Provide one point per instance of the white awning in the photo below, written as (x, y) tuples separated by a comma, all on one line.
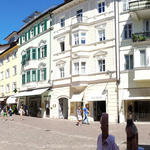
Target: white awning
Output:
[(94, 95), (11, 100), (30, 93), (2, 99), (77, 97), (137, 98)]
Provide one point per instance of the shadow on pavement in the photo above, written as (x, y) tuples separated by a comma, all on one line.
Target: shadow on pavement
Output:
[(146, 147)]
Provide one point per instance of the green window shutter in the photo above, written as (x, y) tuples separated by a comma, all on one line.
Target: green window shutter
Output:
[(45, 50), (25, 36), (28, 76), (28, 54), (34, 30), (38, 53), (29, 35), (23, 59), (34, 75), (34, 53), (38, 28), (20, 40), (38, 75), (44, 73), (23, 79), (45, 24)]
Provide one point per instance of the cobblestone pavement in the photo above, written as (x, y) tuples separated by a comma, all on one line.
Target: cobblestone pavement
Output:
[(54, 134)]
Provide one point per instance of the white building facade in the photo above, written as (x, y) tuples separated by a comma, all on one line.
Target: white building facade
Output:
[(84, 60), (134, 89), (35, 60)]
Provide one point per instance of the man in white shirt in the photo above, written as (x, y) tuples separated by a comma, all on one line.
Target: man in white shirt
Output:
[(105, 141)]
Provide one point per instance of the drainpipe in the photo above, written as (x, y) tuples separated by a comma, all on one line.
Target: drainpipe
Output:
[(117, 53)]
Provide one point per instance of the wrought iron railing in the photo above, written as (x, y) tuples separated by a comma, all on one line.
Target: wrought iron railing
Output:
[(143, 36), (140, 4)]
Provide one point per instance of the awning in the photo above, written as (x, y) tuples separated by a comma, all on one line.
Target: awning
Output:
[(2, 99), (94, 95), (77, 97), (11, 100), (30, 93), (137, 98)]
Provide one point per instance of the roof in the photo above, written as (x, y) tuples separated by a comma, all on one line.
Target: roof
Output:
[(49, 10), (11, 34)]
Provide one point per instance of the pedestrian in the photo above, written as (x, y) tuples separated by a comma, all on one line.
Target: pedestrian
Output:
[(132, 135), (26, 110), (105, 141), (10, 113), (5, 113), (86, 113), (79, 116), (21, 112)]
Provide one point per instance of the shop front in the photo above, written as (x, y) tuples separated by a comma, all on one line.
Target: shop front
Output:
[(137, 108), (35, 101)]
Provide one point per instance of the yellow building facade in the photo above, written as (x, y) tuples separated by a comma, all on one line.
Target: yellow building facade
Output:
[(9, 73)]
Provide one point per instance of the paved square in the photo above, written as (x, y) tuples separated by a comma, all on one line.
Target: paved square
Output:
[(54, 134)]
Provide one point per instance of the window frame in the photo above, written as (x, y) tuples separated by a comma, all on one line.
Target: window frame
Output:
[(130, 64)]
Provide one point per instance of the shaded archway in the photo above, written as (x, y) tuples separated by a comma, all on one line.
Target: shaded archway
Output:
[(63, 108)]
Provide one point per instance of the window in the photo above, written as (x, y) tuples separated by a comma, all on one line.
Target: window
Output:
[(76, 67), (76, 39), (28, 55), (15, 70), (101, 7), (14, 54), (7, 73), (142, 57), (42, 74), (101, 34), (101, 64), (23, 79), (2, 75), (126, 5), (83, 37), (62, 22), (1, 61), (23, 59), (128, 62), (79, 15), (83, 67), (33, 75), (42, 26), (32, 33), (7, 58), (127, 31), (62, 46), (7, 88), (14, 86), (62, 73), (28, 76), (34, 53), (42, 51)]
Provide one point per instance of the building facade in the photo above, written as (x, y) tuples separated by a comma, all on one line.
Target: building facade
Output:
[(84, 60), (9, 70), (35, 64), (134, 89)]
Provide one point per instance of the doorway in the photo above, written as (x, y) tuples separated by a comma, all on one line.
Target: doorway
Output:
[(98, 107), (63, 108)]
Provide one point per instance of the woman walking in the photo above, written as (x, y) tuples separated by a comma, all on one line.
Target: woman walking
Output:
[(21, 111)]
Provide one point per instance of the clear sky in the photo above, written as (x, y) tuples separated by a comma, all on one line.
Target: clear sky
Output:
[(12, 12)]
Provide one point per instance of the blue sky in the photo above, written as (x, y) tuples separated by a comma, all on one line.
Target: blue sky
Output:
[(12, 12)]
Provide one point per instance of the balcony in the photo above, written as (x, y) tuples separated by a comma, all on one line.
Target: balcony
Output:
[(142, 74), (140, 9), (139, 37), (79, 20)]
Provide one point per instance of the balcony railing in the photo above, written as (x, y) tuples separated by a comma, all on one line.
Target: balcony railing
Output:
[(140, 4), (137, 37), (79, 19)]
